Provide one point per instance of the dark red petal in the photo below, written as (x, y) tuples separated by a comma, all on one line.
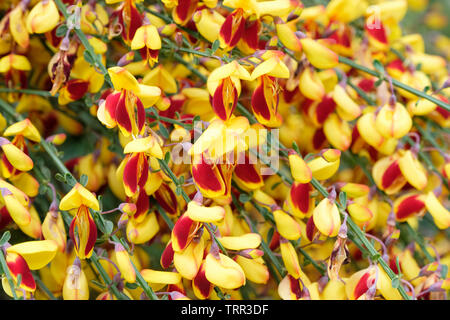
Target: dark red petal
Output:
[(167, 256), (325, 108), (167, 199), (391, 174), (300, 196), (130, 172), (182, 230), (259, 103), (92, 233), (122, 116), (295, 286), (205, 176), (409, 206), (361, 286), (201, 283)]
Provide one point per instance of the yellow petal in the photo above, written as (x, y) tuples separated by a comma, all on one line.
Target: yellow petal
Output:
[(37, 254), (199, 213), (246, 241)]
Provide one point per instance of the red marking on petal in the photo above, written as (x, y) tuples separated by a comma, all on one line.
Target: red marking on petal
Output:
[(259, 103), (378, 33), (17, 265), (201, 283), (367, 85), (77, 88), (111, 103), (206, 176), (217, 102), (167, 256), (140, 114), (182, 230), (310, 228), (361, 287), (167, 199), (275, 241), (122, 116), (225, 99), (319, 139), (134, 18), (295, 286), (142, 204), (8, 165), (250, 35), (247, 172), (185, 9), (130, 172), (409, 206), (325, 108), (5, 217), (143, 170), (397, 64), (233, 28), (92, 234), (300, 196), (391, 174)]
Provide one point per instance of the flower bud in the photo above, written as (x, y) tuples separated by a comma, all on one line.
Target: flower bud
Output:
[(76, 284), (224, 272), (319, 55), (43, 17), (439, 213), (286, 225), (326, 218), (393, 121), (299, 169)]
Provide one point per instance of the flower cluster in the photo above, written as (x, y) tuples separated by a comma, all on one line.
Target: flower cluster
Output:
[(235, 149)]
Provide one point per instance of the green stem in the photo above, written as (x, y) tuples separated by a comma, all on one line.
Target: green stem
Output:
[(396, 83), (44, 288), (8, 274), (28, 91), (106, 279)]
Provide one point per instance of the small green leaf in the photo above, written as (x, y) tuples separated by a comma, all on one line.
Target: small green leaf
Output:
[(61, 31), (131, 286), (46, 173), (181, 180), (215, 46), (60, 177), (167, 157), (379, 67), (5, 238), (244, 197), (109, 226), (343, 199), (378, 82), (163, 130), (70, 180), (43, 189), (295, 147), (84, 180)]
